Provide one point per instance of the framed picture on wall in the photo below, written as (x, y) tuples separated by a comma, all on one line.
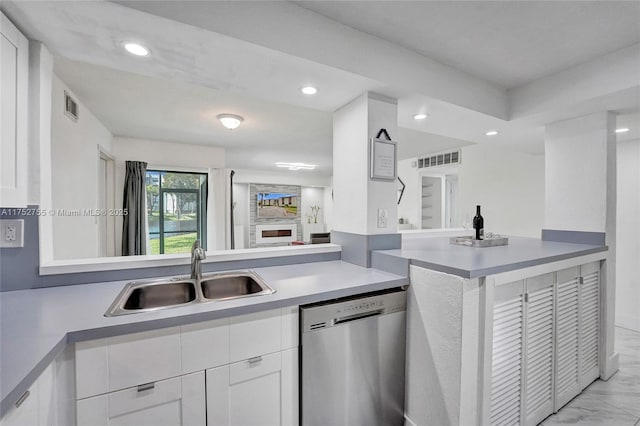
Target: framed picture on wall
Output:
[(383, 160)]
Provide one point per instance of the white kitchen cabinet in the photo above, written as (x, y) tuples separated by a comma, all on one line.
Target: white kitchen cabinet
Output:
[(14, 77), (545, 343), (507, 357), (179, 401), (37, 406), (567, 323), (538, 348), (262, 390), (589, 336), (107, 365)]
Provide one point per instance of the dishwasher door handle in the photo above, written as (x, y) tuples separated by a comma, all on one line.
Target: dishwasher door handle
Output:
[(341, 320)]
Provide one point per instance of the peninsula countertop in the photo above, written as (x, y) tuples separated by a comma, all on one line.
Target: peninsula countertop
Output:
[(438, 254), (36, 325)]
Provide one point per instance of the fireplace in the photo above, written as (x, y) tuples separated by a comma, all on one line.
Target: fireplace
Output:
[(278, 233)]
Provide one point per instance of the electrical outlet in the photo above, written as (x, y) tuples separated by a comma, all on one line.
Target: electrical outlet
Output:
[(11, 233), (382, 218)]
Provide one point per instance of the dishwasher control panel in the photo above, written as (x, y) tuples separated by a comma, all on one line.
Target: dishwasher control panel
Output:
[(338, 311)]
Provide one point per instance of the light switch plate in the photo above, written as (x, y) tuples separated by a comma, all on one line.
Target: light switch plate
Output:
[(11, 233)]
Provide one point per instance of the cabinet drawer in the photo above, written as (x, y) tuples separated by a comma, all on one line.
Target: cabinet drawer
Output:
[(121, 362), (176, 401), (255, 334), (129, 400), (255, 367)]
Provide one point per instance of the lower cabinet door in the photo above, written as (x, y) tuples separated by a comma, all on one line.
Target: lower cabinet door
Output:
[(260, 391), (171, 402), (538, 349), (567, 331), (589, 323), (506, 363)]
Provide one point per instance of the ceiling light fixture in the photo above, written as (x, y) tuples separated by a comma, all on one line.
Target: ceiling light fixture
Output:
[(491, 133), (420, 116), (309, 90), (230, 121), (622, 130), (136, 49), (296, 166)]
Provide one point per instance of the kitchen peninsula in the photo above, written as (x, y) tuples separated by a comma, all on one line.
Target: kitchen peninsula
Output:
[(500, 334)]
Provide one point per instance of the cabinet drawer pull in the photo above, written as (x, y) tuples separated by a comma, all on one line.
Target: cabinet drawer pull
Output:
[(22, 398), (146, 386), (254, 360)]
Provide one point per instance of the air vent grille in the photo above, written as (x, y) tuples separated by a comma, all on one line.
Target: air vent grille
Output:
[(440, 159), (71, 107)]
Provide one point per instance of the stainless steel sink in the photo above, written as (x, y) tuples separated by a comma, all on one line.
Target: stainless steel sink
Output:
[(233, 285), (152, 295)]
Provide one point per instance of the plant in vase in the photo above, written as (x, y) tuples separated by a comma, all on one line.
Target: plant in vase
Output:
[(315, 210)]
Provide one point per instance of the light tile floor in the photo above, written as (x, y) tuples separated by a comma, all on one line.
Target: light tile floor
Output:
[(615, 402)]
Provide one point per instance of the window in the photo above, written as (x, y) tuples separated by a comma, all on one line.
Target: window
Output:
[(176, 210)]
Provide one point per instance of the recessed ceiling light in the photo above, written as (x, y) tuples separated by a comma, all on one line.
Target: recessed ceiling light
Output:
[(491, 133), (296, 166), (420, 116), (309, 90), (136, 49), (230, 121), (622, 130)]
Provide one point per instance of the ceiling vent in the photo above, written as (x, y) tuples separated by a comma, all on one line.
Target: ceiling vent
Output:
[(70, 107), (440, 159)]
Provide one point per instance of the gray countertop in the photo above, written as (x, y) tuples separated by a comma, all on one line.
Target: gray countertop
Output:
[(36, 325), (438, 254)]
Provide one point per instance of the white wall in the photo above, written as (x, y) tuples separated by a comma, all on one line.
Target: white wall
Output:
[(74, 163), (508, 185), (358, 198), (312, 197), (179, 157), (628, 236), (576, 173), (297, 177)]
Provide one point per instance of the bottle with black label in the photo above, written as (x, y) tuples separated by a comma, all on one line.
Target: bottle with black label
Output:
[(478, 224)]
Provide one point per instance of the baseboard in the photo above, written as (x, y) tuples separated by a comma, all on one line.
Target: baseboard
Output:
[(628, 321), (610, 367)]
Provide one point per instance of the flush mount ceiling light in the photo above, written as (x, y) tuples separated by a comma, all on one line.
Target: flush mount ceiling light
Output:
[(622, 130), (309, 90), (420, 116), (296, 166), (136, 49), (491, 133), (230, 121)]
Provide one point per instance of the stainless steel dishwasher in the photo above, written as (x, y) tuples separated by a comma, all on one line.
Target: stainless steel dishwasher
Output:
[(353, 355)]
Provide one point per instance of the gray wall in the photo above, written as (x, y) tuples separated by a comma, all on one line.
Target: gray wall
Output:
[(254, 188)]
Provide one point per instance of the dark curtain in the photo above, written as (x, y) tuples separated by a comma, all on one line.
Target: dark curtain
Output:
[(134, 228)]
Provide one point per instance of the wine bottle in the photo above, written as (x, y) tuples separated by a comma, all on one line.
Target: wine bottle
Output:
[(478, 224)]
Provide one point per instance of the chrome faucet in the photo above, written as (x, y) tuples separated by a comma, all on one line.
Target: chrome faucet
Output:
[(197, 254)]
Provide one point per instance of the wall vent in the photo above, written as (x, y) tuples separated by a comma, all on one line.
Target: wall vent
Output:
[(71, 107), (440, 159)]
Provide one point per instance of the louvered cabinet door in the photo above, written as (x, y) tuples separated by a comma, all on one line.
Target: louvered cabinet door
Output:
[(589, 323), (566, 338), (538, 354), (506, 363)]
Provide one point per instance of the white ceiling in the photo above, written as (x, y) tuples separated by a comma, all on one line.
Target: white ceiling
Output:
[(195, 73), (509, 43)]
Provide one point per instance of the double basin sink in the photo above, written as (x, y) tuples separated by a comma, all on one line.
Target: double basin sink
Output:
[(153, 295)]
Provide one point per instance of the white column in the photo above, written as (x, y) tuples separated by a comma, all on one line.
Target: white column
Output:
[(357, 198), (580, 195)]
